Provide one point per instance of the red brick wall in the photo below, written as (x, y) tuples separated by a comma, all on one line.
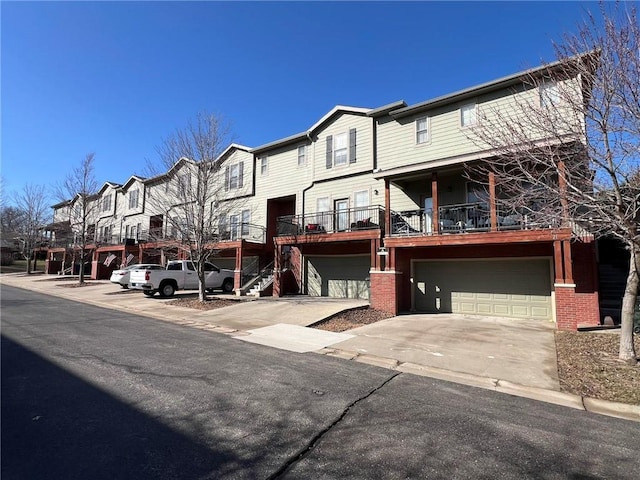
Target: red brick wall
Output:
[(580, 305), (384, 288)]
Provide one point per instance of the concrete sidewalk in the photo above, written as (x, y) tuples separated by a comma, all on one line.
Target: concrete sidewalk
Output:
[(506, 355)]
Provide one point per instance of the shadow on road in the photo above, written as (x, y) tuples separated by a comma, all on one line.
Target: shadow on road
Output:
[(55, 425)]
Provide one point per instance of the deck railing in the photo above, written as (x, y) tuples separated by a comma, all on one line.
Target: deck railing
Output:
[(460, 218), (343, 220)]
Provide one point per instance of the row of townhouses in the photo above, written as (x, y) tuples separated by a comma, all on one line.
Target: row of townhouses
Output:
[(366, 203)]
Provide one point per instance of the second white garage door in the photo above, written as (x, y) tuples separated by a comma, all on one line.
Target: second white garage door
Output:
[(338, 276), (506, 288)]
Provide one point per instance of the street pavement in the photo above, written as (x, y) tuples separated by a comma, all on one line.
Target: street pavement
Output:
[(89, 392), (505, 355)]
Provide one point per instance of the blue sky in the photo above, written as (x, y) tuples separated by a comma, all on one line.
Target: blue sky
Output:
[(115, 78)]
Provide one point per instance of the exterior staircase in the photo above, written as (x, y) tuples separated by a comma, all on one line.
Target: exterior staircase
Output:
[(260, 284)]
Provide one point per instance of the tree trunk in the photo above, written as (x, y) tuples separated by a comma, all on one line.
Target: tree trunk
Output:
[(202, 294), (627, 349), (81, 271)]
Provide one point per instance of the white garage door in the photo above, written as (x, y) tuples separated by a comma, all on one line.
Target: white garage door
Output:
[(338, 276), (506, 288)]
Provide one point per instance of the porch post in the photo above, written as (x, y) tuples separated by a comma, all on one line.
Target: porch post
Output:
[(558, 262), (568, 269), (237, 273), (492, 202), (435, 215), (387, 207), (562, 182), (277, 277)]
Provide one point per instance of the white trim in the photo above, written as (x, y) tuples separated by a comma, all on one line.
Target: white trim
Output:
[(564, 285)]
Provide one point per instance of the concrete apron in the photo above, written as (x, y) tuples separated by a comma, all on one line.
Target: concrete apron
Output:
[(520, 351)]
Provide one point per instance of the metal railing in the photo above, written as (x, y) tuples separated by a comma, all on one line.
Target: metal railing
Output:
[(460, 218), (344, 220)]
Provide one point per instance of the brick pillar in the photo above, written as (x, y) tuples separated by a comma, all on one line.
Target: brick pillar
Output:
[(566, 318), (384, 291), (277, 274), (237, 272)]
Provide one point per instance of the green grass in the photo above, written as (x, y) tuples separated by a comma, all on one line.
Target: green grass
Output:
[(20, 266)]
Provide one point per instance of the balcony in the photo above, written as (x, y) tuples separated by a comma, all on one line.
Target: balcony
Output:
[(459, 218), (332, 221), (228, 233)]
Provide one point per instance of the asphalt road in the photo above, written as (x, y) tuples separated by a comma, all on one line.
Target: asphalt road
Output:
[(90, 393)]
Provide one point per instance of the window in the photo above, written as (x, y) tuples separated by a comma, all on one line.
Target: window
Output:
[(422, 130), (341, 148), (222, 226), (106, 203), (476, 193), (133, 199), (340, 151), (233, 176), (361, 204), (468, 115), (322, 206), (302, 155), (264, 165), (246, 220), (549, 94), (233, 222), (184, 182)]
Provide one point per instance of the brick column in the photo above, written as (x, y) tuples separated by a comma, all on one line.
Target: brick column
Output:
[(277, 276), (384, 291), (566, 306), (237, 272)]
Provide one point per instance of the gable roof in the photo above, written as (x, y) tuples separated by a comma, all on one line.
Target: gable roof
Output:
[(500, 83), (298, 137), (107, 185)]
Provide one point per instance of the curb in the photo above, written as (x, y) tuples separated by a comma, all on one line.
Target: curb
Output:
[(593, 405)]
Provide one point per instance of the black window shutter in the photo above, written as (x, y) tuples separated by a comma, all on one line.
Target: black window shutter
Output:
[(329, 151), (226, 178), (352, 145), (240, 174)]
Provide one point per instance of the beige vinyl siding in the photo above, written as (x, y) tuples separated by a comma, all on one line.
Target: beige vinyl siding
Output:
[(285, 177), (235, 157), (397, 137), (364, 146), (345, 188)]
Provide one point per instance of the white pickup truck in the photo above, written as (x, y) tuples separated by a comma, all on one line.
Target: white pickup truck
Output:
[(180, 275)]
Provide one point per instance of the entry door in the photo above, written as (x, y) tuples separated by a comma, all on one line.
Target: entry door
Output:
[(427, 204), (341, 208)]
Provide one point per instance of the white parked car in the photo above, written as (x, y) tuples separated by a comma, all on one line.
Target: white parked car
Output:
[(121, 276)]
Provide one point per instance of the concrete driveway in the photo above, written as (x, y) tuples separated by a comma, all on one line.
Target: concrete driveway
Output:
[(521, 351)]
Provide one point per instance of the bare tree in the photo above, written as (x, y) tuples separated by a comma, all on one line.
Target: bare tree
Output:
[(567, 152), (80, 187), (195, 196), (32, 203)]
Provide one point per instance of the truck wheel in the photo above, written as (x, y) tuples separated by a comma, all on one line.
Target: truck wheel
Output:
[(148, 293), (167, 290), (227, 286)]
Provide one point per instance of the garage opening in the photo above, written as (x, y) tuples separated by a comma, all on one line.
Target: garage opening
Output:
[(506, 288), (344, 276)]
